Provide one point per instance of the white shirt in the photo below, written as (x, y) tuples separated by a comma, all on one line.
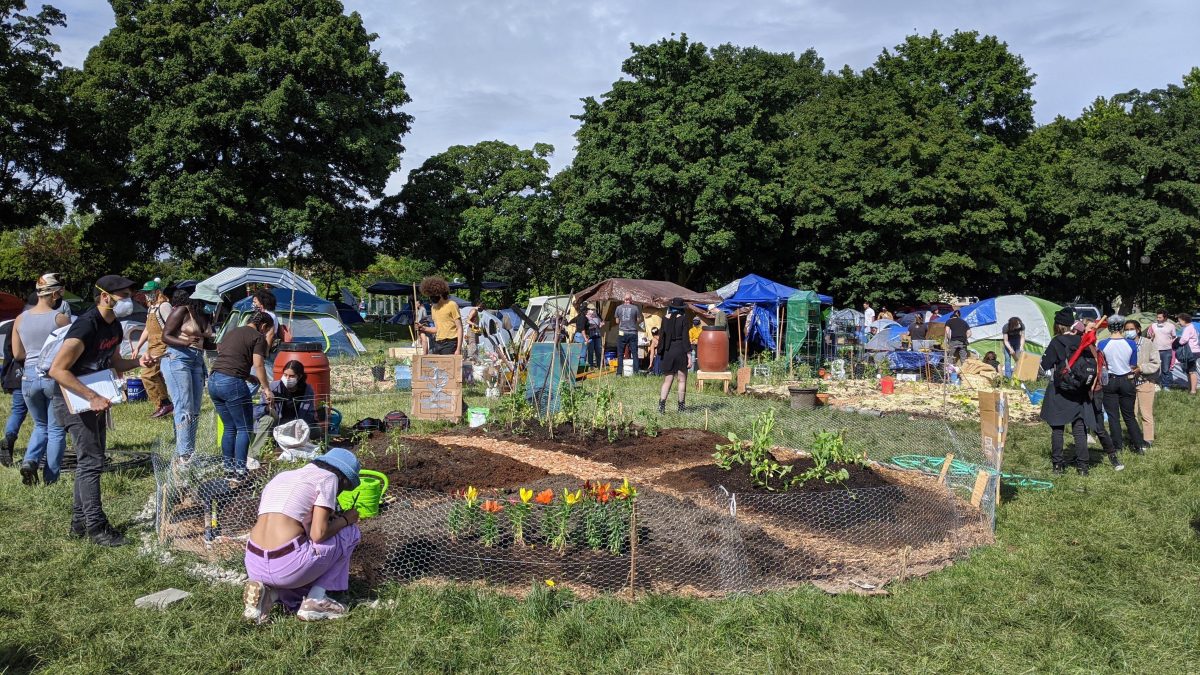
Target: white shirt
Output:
[(1120, 355), (869, 316)]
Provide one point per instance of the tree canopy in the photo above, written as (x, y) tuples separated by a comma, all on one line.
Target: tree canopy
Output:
[(229, 130)]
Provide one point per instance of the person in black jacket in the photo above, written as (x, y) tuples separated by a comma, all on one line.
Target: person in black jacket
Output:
[(674, 351), (1069, 408)]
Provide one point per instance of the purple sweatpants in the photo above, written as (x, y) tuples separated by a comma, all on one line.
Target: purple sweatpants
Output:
[(325, 564)]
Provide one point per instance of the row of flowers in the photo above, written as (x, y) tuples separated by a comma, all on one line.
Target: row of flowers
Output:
[(597, 514)]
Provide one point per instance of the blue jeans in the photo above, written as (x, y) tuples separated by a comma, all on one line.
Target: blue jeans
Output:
[(48, 439), (231, 398), (1009, 360), (630, 339), (17, 417), (595, 352), (1164, 373), (183, 371)]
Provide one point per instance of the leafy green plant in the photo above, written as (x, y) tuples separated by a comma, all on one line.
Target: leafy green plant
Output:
[(398, 448), (755, 453), (650, 423), (829, 450)]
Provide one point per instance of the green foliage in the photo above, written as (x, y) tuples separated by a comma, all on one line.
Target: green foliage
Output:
[(829, 450), (755, 454), (26, 254), (479, 209), (33, 114), (231, 130)]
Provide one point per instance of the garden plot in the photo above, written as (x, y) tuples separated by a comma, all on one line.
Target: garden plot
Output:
[(922, 399)]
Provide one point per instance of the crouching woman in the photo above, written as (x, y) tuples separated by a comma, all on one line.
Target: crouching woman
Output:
[(300, 547)]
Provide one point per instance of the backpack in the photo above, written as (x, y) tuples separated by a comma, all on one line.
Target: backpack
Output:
[(51, 347), (396, 420), (1078, 374)]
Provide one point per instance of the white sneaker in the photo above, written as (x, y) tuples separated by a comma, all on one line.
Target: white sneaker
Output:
[(258, 598), (319, 610)]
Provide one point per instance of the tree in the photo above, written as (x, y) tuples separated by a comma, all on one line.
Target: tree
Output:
[(32, 116), (27, 253), (905, 186), (677, 170), (477, 209), (229, 130), (1119, 209)]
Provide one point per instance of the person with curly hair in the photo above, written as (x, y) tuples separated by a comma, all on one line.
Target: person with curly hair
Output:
[(447, 330)]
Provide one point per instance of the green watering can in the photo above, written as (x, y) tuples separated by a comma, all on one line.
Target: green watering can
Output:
[(367, 496)]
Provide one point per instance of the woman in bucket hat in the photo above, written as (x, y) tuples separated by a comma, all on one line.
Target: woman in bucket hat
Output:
[(301, 545)]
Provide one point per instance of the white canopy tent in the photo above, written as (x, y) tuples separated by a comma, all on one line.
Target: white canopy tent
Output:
[(213, 288)]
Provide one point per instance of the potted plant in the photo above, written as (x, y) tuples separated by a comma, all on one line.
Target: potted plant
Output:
[(379, 366)]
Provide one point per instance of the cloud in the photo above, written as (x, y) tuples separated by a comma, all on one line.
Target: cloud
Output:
[(514, 70)]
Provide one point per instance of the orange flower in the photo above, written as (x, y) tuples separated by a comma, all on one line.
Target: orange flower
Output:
[(492, 506), (544, 497), (604, 493)]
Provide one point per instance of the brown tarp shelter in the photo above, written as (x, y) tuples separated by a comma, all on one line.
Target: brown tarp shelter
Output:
[(645, 293)]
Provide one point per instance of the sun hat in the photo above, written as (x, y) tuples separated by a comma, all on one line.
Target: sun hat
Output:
[(1064, 317), (677, 303), (344, 462)]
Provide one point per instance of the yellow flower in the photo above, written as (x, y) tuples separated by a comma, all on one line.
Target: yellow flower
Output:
[(526, 495), (571, 497), (472, 494), (550, 583), (626, 491)]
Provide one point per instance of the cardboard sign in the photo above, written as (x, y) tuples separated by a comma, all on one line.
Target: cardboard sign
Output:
[(1028, 367), (993, 425), (437, 387)]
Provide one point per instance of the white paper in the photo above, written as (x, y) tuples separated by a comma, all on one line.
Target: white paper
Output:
[(103, 382)]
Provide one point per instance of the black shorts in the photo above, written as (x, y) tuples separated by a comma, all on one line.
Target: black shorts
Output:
[(674, 361), (445, 347)]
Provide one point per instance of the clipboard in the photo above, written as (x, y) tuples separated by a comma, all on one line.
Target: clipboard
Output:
[(104, 382)]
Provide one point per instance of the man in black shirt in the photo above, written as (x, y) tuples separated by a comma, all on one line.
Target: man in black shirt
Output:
[(91, 345), (959, 333)]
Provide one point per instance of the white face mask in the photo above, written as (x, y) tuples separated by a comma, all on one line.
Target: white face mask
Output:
[(289, 382), (123, 308), (1130, 334)]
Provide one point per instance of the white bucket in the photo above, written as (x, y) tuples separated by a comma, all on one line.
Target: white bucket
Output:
[(628, 370)]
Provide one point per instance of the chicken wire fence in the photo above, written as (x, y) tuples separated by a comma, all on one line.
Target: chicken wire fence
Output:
[(670, 537)]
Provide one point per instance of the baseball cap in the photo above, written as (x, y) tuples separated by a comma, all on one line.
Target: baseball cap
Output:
[(111, 283), (152, 285)]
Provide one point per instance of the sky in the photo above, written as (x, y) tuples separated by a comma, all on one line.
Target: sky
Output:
[(515, 70)]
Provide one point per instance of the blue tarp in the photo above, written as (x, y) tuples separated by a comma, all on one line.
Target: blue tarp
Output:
[(755, 290), (284, 298), (913, 360), (981, 313), (762, 327), (348, 314)]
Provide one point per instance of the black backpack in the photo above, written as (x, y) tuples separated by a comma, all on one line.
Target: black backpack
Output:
[(1079, 374)]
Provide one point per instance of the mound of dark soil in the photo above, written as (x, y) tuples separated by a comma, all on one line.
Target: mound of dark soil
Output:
[(427, 465), (737, 479), (670, 446)]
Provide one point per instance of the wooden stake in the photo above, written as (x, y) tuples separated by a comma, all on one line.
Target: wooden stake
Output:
[(904, 563), (945, 468), (633, 537), (706, 419), (981, 481)]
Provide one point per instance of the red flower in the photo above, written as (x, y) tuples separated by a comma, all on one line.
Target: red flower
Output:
[(492, 506), (544, 497)]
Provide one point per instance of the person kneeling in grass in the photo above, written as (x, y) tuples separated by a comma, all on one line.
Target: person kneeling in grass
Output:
[(300, 548)]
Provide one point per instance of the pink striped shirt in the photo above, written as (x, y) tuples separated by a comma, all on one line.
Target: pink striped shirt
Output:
[(294, 493), (1189, 337)]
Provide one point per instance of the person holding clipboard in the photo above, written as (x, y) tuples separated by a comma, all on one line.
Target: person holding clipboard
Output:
[(91, 346)]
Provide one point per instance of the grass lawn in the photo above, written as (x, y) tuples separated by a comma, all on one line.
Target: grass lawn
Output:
[(1099, 574)]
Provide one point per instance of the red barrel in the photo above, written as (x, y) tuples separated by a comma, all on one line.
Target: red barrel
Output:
[(887, 385), (713, 350), (316, 367)]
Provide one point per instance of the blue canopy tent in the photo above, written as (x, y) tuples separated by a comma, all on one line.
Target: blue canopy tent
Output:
[(765, 297)]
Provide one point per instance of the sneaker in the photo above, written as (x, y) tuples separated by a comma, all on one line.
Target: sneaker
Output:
[(1116, 463), (662, 407), (319, 610), (29, 473), (6, 452), (1059, 469), (1140, 451), (108, 537), (259, 598), (1082, 471), (682, 406), (77, 532)]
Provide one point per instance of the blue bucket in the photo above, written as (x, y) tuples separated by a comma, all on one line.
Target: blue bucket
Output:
[(1036, 396), (134, 389), (404, 377)]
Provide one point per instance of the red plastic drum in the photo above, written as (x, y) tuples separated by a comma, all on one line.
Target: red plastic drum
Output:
[(713, 350)]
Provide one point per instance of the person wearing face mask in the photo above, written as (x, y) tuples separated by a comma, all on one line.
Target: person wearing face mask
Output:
[(294, 396), (188, 327), (156, 319), (92, 345), (241, 352), (1149, 364), (1120, 391), (30, 330)]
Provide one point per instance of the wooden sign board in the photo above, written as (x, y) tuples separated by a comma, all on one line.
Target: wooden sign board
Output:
[(437, 388), (402, 352), (935, 332)]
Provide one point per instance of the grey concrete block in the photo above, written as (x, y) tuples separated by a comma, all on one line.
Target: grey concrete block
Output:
[(161, 599)]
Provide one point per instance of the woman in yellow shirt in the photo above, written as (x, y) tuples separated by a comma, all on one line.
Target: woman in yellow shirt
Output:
[(447, 328)]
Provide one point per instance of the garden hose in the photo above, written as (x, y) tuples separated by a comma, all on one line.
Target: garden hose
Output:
[(930, 464)]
